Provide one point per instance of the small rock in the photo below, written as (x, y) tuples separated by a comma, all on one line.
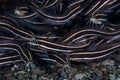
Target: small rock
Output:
[(103, 69), (79, 76), (112, 77), (108, 62), (99, 73)]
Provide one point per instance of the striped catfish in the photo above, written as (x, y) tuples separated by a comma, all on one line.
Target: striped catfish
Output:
[(87, 32), (96, 6), (8, 57), (23, 54), (21, 33), (99, 12), (20, 49), (21, 12), (101, 52), (59, 60), (71, 12), (42, 43), (30, 20)]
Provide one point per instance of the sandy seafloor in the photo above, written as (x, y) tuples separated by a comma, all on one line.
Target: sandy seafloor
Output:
[(108, 69)]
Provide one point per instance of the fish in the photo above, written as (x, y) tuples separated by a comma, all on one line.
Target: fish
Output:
[(94, 55)]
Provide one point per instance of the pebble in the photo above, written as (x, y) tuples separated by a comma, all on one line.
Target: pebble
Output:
[(103, 69), (108, 62), (79, 76), (112, 77)]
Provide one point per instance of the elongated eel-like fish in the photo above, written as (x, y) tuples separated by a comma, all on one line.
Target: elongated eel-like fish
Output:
[(87, 32), (46, 44), (42, 43), (16, 31), (56, 46), (59, 61), (8, 59), (22, 51), (79, 56), (55, 59), (72, 13)]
